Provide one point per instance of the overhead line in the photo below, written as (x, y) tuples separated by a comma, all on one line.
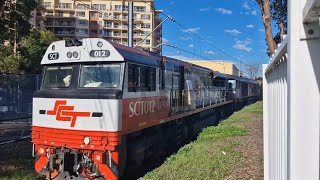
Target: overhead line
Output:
[(181, 25)]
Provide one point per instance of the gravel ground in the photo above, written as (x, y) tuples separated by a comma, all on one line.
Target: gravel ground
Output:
[(251, 150)]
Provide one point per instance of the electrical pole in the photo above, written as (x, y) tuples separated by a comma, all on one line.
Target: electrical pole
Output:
[(130, 24)]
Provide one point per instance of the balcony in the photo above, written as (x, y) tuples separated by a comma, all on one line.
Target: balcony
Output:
[(64, 33), (65, 7), (137, 36), (65, 24), (116, 34), (47, 24), (108, 26), (51, 15)]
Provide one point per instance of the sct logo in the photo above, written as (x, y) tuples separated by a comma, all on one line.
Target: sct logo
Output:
[(63, 112)]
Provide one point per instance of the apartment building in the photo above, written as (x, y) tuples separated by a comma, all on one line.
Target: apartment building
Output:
[(100, 18)]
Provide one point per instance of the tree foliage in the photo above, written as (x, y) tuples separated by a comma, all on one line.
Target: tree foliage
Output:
[(8, 62), (30, 44), (279, 15), (276, 11), (32, 49), (14, 19)]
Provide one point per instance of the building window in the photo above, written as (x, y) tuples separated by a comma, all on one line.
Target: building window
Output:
[(145, 16), (82, 31), (82, 6), (139, 9), (47, 4), (125, 16), (103, 7), (93, 23), (115, 25), (60, 14), (145, 26), (93, 32), (65, 5), (117, 7), (80, 14), (93, 14), (116, 16), (125, 8), (83, 23), (108, 24)]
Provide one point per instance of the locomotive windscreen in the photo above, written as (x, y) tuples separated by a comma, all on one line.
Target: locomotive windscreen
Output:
[(104, 76), (57, 76)]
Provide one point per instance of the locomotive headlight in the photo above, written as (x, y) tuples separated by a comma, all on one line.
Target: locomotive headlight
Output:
[(87, 140), (69, 54), (41, 151), (98, 157), (99, 44), (75, 54)]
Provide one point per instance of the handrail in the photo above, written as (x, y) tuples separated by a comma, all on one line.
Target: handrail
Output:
[(277, 57)]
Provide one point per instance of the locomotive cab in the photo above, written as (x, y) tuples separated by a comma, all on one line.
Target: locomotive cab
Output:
[(77, 111)]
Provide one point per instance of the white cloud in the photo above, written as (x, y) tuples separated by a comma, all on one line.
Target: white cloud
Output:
[(205, 9), (250, 26), (261, 30), (171, 2), (192, 30), (180, 57), (224, 11), (185, 38), (233, 32), (190, 45), (245, 5), (210, 52), (254, 12), (243, 45), (164, 40)]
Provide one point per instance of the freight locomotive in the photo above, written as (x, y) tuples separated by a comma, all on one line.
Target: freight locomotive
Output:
[(103, 107)]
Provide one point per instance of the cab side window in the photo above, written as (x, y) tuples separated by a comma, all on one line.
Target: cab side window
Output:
[(141, 78)]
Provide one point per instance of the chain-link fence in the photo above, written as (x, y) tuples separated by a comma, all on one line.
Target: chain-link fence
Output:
[(16, 93)]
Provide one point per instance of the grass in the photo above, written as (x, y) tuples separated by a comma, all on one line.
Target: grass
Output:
[(213, 155), (16, 162)]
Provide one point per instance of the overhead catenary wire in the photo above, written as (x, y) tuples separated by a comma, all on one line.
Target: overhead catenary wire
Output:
[(178, 23), (196, 35)]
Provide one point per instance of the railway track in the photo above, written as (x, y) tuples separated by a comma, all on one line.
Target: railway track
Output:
[(14, 130)]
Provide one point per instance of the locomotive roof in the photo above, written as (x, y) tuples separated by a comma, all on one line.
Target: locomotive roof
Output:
[(137, 55), (97, 49), (242, 79)]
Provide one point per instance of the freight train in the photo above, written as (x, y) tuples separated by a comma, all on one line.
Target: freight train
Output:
[(103, 107)]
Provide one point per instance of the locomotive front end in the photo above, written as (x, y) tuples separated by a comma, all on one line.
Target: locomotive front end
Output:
[(77, 112)]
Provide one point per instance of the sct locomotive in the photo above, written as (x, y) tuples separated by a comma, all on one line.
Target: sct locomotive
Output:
[(104, 106)]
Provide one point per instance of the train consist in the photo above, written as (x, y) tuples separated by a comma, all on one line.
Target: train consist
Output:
[(103, 107)]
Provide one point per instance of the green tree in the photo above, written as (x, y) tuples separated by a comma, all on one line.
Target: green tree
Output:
[(264, 6), (279, 15), (14, 19), (32, 49), (8, 62)]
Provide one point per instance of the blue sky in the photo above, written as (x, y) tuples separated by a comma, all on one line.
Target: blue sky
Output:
[(234, 26)]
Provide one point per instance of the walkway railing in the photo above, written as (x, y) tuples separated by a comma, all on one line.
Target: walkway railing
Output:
[(275, 114), (188, 100), (292, 99)]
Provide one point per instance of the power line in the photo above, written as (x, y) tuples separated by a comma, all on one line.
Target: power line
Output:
[(173, 20), (199, 37)]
